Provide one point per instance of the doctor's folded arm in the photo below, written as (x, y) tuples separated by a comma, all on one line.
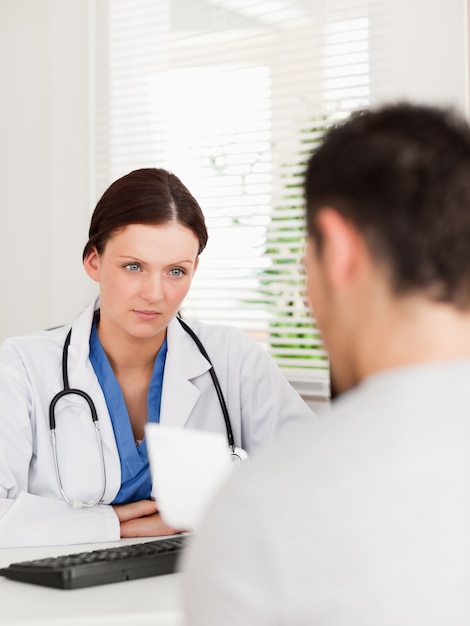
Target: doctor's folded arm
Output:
[(75, 400)]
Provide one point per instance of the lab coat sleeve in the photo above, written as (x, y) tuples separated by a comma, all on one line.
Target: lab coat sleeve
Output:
[(40, 519), (32, 520), (16, 430)]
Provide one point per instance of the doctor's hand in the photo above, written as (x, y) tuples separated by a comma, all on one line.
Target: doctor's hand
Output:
[(141, 519)]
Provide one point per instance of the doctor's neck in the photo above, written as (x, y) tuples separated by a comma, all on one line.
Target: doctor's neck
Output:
[(125, 351)]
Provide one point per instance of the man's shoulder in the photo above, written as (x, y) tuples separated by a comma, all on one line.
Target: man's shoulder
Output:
[(370, 426)]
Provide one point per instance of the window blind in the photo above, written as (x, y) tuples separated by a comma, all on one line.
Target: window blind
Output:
[(232, 96)]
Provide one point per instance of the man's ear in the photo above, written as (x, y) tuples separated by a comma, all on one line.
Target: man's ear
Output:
[(92, 265), (341, 246)]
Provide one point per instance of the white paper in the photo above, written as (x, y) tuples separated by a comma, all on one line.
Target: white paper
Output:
[(187, 467)]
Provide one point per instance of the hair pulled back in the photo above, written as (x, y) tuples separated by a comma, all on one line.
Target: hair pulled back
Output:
[(145, 196)]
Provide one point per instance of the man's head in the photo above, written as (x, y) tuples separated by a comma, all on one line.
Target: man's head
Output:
[(388, 195)]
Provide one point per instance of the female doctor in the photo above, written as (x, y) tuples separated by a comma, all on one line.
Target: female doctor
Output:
[(129, 358)]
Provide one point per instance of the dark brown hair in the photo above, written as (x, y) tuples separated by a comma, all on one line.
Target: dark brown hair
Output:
[(144, 196), (401, 175)]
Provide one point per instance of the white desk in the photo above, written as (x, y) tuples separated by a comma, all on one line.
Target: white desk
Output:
[(153, 600)]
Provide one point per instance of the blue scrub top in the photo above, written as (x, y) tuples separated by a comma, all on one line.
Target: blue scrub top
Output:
[(136, 483)]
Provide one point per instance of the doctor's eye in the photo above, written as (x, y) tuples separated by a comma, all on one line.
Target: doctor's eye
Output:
[(132, 267), (177, 272)]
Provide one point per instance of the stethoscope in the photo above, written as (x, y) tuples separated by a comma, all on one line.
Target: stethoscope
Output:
[(237, 455)]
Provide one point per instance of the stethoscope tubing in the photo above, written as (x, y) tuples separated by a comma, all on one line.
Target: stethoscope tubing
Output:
[(68, 391), (215, 380), (237, 455)]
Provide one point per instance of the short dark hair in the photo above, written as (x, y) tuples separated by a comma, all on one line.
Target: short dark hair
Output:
[(144, 196), (401, 175)]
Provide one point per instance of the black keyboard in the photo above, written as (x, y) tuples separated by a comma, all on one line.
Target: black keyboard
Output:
[(108, 565)]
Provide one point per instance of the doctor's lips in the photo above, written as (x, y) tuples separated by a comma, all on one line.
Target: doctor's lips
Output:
[(147, 315)]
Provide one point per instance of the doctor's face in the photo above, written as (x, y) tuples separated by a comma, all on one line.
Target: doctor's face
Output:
[(144, 272)]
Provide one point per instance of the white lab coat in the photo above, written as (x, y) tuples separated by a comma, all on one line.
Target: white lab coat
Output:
[(32, 511)]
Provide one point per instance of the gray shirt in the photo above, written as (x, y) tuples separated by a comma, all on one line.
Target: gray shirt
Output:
[(360, 518)]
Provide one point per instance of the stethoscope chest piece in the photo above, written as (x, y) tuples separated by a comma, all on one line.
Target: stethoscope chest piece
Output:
[(237, 456)]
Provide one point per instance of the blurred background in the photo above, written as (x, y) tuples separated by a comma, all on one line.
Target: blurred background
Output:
[(232, 96)]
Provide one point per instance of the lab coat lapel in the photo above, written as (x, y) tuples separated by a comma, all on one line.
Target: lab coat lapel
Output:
[(184, 363)]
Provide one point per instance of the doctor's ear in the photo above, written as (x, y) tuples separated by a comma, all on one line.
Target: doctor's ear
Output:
[(91, 263)]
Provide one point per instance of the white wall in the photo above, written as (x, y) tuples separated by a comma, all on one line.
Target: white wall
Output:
[(44, 162), (426, 44)]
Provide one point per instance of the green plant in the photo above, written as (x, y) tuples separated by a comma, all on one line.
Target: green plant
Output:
[(293, 339)]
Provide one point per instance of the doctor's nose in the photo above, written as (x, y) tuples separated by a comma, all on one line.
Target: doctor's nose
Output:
[(152, 289)]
